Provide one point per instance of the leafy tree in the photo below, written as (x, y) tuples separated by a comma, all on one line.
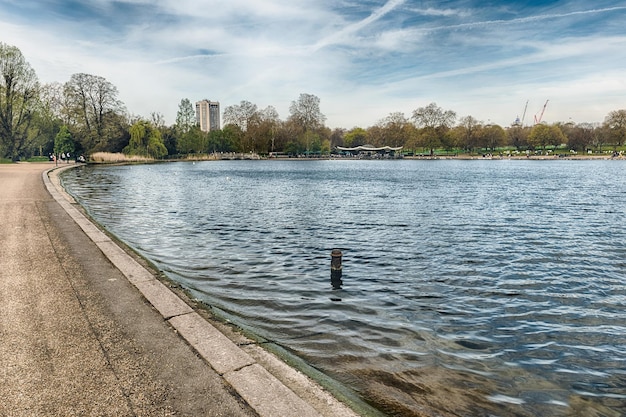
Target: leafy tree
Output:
[(48, 117), (145, 140), (492, 136), (94, 108), (229, 138), (63, 142), (170, 139), (615, 121), (193, 141), (185, 117), (313, 143), (294, 148), (355, 137), (543, 135), (19, 89), (216, 142), (325, 147)]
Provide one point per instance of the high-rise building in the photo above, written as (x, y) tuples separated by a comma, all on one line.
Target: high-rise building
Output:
[(208, 115)]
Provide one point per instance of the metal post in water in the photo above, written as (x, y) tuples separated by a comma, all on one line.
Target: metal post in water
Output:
[(335, 269)]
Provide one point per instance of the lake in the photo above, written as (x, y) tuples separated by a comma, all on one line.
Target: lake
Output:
[(468, 287)]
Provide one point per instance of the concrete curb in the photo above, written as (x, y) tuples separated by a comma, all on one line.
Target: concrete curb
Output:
[(265, 392)]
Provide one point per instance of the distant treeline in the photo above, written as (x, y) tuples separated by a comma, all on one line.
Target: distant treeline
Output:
[(85, 115)]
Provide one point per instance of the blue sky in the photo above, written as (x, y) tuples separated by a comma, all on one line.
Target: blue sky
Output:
[(363, 59)]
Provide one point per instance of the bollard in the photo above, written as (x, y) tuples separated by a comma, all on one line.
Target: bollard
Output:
[(335, 269)]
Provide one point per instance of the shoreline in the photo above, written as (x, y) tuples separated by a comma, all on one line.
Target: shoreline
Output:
[(462, 157), (312, 385), (248, 373)]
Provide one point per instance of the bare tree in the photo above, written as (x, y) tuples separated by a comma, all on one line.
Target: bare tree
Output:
[(19, 94), (470, 128), (395, 130), (434, 122), (616, 123), (242, 115), (157, 119), (433, 117), (306, 112), (580, 137), (92, 102)]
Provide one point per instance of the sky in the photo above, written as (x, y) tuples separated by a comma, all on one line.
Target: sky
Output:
[(363, 59)]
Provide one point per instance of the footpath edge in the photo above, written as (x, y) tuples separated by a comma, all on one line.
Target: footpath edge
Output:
[(244, 370)]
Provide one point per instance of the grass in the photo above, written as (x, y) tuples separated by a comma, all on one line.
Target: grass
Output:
[(38, 159)]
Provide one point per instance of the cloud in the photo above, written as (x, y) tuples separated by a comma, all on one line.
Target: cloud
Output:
[(364, 59), (343, 35)]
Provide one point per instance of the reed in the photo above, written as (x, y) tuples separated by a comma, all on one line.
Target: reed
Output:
[(116, 158)]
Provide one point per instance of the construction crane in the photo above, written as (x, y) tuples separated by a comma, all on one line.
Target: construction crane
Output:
[(538, 120), (524, 115), (519, 123)]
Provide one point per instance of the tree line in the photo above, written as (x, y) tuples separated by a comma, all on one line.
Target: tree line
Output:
[(85, 115)]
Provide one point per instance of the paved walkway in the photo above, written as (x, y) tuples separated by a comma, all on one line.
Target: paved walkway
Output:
[(85, 330)]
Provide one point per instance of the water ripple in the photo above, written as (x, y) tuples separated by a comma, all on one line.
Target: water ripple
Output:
[(469, 288)]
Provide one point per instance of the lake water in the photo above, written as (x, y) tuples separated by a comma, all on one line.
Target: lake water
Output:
[(469, 287)]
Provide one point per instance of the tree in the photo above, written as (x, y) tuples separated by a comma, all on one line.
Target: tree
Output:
[(306, 112), (337, 137), (145, 140), (193, 141), (157, 119), (219, 140), (543, 135), (580, 137), (93, 106), (286, 133), (229, 138), (185, 117), (615, 121), (518, 136), (257, 128), (492, 136), (49, 117), (395, 130), (19, 89), (170, 138), (262, 130), (434, 122), (355, 137), (469, 128), (600, 137), (243, 115), (433, 117), (63, 143)]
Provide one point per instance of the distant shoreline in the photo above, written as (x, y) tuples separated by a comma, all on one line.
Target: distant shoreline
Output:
[(119, 159)]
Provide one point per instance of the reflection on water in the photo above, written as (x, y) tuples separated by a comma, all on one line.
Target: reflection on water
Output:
[(468, 287)]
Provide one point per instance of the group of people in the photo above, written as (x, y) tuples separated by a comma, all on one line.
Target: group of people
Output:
[(66, 157)]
